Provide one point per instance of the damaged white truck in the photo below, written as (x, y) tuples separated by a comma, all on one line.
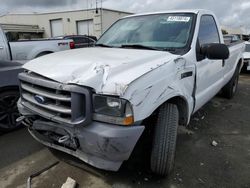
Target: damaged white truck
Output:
[(95, 103)]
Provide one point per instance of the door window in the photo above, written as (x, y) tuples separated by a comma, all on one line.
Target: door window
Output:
[(208, 32), (78, 40)]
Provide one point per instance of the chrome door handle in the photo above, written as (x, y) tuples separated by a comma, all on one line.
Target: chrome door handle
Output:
[(1, 47)]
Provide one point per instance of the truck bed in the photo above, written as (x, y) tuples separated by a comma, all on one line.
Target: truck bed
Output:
[(30, 49)]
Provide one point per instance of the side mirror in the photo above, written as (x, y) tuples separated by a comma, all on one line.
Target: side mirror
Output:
[(215, 51)]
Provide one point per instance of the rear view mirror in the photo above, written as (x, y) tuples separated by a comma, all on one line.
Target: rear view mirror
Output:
[(215, 51)]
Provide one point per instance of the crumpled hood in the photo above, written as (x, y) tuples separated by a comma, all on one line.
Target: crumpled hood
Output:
[(107, 70)]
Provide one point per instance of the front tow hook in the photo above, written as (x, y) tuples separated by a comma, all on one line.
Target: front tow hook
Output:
[(22, 119), (63, 139)]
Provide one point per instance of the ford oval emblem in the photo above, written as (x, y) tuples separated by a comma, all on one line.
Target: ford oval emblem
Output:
[(40, 99)]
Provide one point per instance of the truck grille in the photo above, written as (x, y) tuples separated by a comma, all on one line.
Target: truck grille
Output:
[(68, 104)]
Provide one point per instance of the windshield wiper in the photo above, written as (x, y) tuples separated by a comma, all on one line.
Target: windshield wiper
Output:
[(104, 45), (138, 46), (169, 49)]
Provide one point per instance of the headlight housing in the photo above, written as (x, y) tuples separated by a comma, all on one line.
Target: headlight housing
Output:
[(112, 110)]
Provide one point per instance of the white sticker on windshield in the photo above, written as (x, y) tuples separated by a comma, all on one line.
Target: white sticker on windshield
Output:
[(178, 19)]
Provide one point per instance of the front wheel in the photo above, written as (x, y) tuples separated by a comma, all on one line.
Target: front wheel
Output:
[(8, 110), (164, 141)]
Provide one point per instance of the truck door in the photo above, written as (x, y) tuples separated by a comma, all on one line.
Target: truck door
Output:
[(209, 72), (4, 49)]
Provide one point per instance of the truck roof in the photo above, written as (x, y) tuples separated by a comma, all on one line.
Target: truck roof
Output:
[(195, 11)]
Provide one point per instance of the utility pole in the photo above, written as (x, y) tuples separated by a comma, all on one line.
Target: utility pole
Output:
[(101, 12), (96, 7), (88, 16), (101, 18)]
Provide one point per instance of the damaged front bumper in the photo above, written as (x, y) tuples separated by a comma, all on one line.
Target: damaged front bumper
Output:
[(101, 145)]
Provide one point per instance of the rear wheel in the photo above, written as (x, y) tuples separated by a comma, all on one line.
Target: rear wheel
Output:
[(8, 110), (231, 87), (164, 141)]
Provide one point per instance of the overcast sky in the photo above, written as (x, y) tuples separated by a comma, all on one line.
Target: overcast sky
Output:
[(231, 13)]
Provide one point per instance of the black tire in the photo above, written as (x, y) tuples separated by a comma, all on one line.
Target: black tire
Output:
[(164, 141), (8, 110), (244, 68), (229, 90)]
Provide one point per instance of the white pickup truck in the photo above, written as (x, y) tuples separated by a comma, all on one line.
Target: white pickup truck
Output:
[(22, 51), (147, 70)]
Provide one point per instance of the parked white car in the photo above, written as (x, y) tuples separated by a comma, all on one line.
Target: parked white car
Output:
[(246, 56), (26, 50), (148, 70)]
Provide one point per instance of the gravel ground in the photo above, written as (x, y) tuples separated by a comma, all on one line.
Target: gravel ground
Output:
[(198, 163)]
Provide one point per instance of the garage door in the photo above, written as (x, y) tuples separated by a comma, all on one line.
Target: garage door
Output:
[(85, 27), (56, 27)]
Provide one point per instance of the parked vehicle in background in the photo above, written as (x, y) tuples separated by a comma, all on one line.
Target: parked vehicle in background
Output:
[(246, 56), (30, 49), (228, 39), (9, 94), (243, 37), (147, 70), (81, 41)]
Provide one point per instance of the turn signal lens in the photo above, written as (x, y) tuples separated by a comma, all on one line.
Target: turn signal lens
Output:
[(128, 120)]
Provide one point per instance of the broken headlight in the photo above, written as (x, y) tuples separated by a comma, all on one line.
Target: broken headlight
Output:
[(112, 110)]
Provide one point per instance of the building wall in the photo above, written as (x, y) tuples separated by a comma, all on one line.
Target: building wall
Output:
[(26, 19), (101, 20), (69, 21), (109, 17)]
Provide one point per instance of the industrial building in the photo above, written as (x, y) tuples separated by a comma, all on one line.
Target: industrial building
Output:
[(79, 22)]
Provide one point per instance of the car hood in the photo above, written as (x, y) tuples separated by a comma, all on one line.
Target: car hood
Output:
[(106, 70)]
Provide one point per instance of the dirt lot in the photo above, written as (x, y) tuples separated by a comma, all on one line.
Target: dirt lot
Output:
[(198, 163)]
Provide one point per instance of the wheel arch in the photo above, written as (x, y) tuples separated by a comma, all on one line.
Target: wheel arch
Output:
[(43, 53), (182, 105), (240, 63)]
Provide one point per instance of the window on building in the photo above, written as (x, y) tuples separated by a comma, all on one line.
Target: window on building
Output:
[(56, 27), (85, 27)]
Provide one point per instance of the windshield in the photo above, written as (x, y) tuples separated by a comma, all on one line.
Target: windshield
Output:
[(161, 31)]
